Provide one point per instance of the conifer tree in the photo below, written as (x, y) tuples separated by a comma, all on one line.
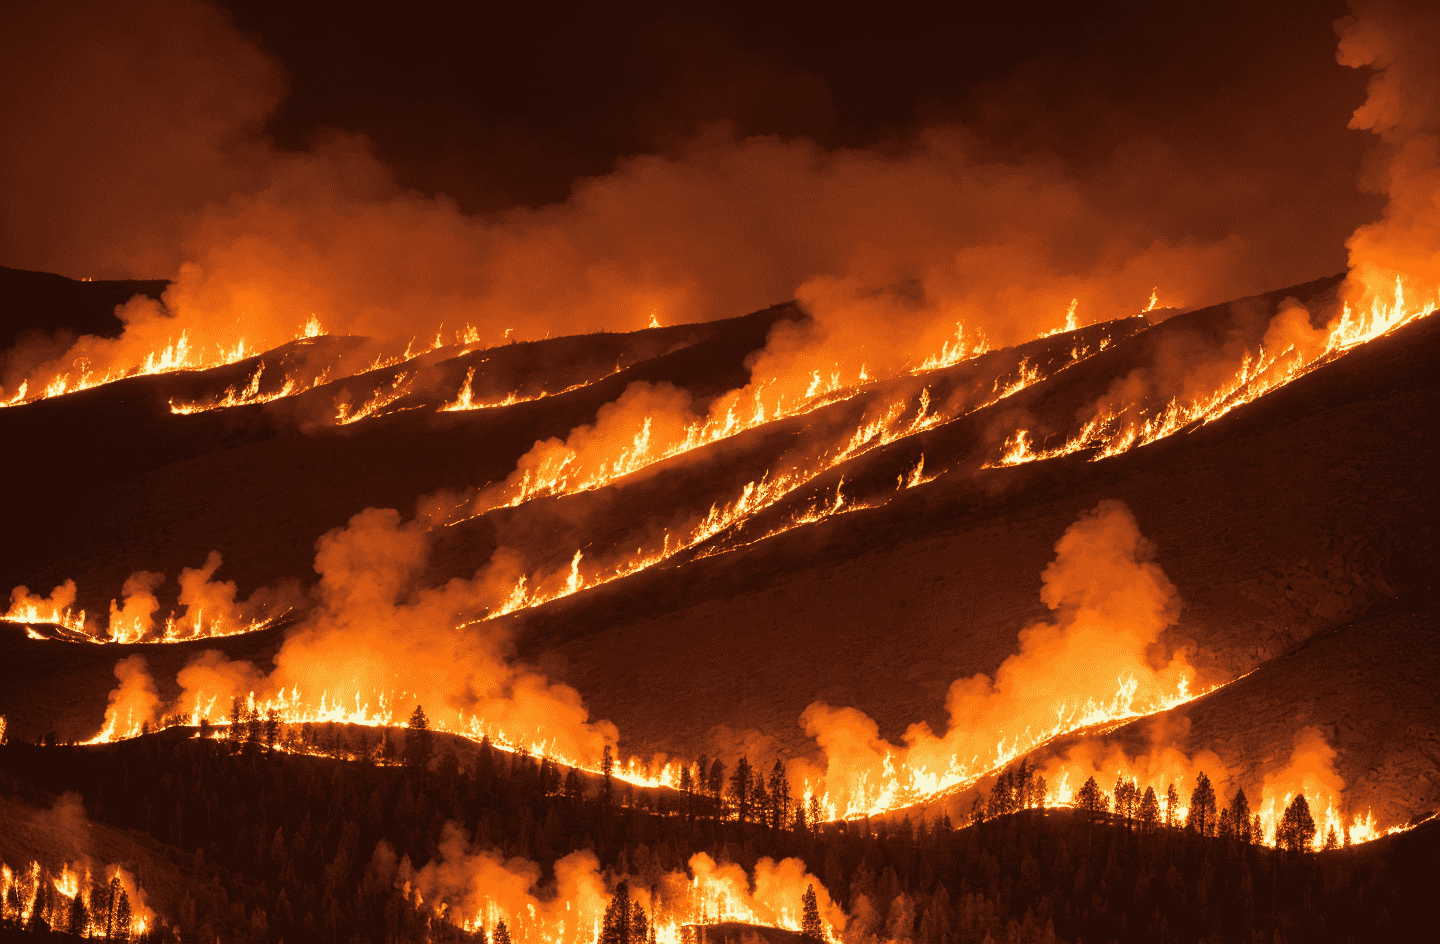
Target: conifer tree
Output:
[(1172, 806), (1090, 796), (502, 933), (779, 795), (740, 789), (1332, 841), (1240, 818), (616, 926), (810, 926), (1297, 826), (1202, 807), (417, 740), (1149, 809)]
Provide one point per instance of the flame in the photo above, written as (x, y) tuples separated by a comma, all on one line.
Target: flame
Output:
[(1154, 299), (379, 400), (24, 887), (311, 329), (1112, 432)]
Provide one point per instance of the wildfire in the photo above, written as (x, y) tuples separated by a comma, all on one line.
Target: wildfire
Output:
[(70, 901), (1115, 431), (379, 400)]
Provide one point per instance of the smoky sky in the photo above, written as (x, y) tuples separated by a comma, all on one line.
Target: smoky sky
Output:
[(122, 125), (499, 105)]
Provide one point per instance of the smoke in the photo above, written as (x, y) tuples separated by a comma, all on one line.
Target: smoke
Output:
[(210, 605), (134, 703), (378, 643), (1311, 771), (644, 424), (259, 238), (1397, 41), (482, 886), (135, 619), (1097, 659)]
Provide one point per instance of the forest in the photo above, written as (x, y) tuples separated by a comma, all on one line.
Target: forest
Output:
[(310, 832)]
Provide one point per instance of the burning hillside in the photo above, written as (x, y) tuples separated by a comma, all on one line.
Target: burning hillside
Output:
[(1042, 557)]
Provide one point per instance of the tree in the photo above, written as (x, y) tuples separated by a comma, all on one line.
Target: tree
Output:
[(1297, 826), (1332, 841), (121, 932), (740, 789), (779, 795), (810, 926), (1202, 807), (1240, 818), (1149, 809), (501, 935), (715, 782), (417, 740), (1090, 800), (639, 926), (272, 728), (237, 718), (616, 928), (1172, 806)]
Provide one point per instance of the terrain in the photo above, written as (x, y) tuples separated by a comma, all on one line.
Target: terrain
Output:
[(863, 550)]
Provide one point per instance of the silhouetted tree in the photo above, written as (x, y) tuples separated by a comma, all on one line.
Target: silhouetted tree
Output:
[(1201, 817), (1297, 826), (1240, 818), (272, 727), (740, 790), (616, 928), (810, 925), (779, 795), (1172, 806), (237, 719), (1090, 799), (502, 933), (1149, 809), (417, 740)]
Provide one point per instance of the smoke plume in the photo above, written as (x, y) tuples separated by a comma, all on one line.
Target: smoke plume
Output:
[(1094, 660), (1397, 41), (377, 643)]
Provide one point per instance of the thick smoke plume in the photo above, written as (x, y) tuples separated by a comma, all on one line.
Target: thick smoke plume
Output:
[(1096, 659), (376, 644), (481, 886), (1397, 41)]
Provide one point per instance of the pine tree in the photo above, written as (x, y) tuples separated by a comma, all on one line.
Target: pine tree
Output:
[(1332, 841), (1297, 826), (418, 740), (1090, 796), (122, 917), (740, 789), (1202, 807), (237, 718), (272, 728), (810, 926), (1149, 809), (616, 928), (502, 933), (639, 926), (1172, 806), (1240, 818), (779, 795)]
